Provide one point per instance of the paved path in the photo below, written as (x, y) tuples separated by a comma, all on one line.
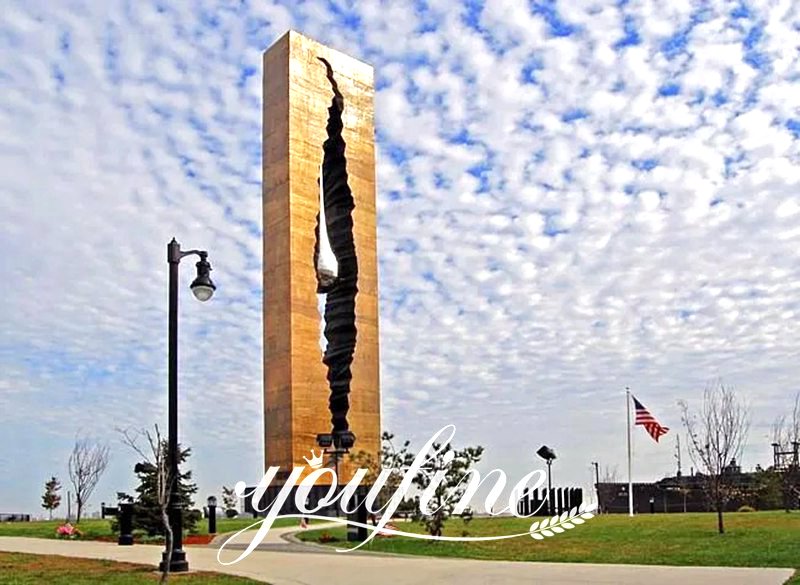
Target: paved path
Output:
[(277, 540), (322, 568)]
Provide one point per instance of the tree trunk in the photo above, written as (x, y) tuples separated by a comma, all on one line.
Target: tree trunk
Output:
[(720, 524), (168, 543)]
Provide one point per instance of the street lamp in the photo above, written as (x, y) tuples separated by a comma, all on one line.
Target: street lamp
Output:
[(548, 455), (174, 560), (336, 444), (212, 514)]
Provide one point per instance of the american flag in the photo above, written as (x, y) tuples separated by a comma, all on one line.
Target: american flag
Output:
[(644, 418)]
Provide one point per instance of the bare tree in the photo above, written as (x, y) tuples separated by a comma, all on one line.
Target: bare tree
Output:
[(157, 457), (717, 435), (785, 437), (87, 463)]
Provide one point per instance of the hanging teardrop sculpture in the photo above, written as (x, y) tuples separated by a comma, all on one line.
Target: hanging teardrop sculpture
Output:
[(327, 265)]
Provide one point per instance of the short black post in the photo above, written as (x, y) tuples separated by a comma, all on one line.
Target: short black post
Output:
[(212, 515), (358, 533), (125, 519)]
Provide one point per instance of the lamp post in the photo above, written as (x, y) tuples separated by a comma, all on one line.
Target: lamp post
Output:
[(336, 444), (548, 455), (596, 466), (174, 560)]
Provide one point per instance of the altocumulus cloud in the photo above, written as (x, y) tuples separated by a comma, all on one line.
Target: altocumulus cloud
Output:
[(573, 196)]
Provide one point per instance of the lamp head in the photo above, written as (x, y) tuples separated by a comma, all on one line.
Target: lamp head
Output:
[(211, 501), (202, 287), (324, 440), (546, 453), (344, 440)]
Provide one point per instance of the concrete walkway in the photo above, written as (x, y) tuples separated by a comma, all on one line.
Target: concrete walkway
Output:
[(279, 539), (322, 568)]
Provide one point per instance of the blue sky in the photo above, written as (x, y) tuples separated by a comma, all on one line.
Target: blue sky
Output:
[(573, 196)]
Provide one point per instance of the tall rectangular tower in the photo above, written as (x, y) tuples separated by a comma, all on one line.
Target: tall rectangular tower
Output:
[(297, 94)]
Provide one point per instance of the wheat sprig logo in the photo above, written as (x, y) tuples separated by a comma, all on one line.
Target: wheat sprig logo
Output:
[(558, 524)]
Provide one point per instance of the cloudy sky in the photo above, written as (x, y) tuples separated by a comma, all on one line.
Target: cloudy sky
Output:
[(574, 195)]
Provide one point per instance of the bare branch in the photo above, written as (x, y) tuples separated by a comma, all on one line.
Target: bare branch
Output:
[(717, 436), (156, 456), (87, 463)]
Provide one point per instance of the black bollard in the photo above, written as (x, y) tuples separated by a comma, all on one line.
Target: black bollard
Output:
[(212, 519), (125, 518), (358, 533)]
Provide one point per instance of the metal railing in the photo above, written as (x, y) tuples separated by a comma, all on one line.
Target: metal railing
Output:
[(15, 517)]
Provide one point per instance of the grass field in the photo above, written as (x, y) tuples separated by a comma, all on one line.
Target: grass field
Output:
[(24, 569), (95, 528), (757, 539)]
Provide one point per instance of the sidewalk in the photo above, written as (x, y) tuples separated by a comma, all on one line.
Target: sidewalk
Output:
[(320, 568)]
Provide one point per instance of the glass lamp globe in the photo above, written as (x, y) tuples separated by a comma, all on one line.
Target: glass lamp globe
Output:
[(202, 292)]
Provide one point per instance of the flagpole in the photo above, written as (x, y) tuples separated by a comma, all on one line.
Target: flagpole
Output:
[(630, 480)]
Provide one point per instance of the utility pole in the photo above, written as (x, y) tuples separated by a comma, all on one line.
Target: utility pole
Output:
[(630, 475), (678, 453), (597, 483)]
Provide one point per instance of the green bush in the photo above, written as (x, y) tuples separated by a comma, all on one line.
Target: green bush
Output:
[(147, 539), (190, 520)]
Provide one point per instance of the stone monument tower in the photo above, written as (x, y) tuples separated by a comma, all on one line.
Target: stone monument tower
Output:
[(318, 117)]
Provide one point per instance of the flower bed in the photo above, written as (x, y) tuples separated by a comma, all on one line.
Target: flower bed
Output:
[(68, 531), (191, 539)]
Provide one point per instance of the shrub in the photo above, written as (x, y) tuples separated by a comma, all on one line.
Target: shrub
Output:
[(190, 520), (147, 539), (231, 513)]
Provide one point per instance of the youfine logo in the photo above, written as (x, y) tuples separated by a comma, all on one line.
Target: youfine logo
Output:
[(532, 480)]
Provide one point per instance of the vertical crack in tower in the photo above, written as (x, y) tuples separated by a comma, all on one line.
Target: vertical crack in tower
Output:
[(340, 304)]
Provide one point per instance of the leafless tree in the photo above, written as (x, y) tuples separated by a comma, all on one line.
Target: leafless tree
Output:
[(87, 463), (786, 435), (155, 455), (717, 435)]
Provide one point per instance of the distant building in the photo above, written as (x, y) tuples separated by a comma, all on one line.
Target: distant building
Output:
[(757, 489)]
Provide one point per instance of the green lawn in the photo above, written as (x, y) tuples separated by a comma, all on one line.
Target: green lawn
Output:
[(47, 528), (25, 569), (94, 528), (758, 539)]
